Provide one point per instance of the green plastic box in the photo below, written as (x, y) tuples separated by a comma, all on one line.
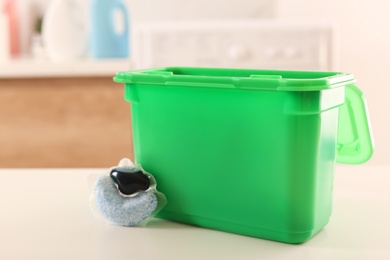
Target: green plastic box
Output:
[(250, 152)]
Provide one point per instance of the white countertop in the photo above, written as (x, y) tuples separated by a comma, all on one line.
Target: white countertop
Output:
[(30, 68), (45, 215)]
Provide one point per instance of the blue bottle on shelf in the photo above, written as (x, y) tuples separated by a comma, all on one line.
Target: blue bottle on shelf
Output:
[(108, 38)]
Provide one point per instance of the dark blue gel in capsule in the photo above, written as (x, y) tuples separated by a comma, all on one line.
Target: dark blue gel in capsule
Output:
[(130, 181)]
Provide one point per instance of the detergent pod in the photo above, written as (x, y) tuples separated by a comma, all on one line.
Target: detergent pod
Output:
[(126, 196)]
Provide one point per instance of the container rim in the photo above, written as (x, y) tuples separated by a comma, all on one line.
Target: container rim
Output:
[(283, 80)]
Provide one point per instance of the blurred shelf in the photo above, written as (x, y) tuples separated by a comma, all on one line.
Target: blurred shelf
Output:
[(30, 68)]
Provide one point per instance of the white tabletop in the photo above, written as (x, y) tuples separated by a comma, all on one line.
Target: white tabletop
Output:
[(45, 214)]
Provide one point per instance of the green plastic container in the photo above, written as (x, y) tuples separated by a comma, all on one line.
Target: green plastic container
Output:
[(247, 151)]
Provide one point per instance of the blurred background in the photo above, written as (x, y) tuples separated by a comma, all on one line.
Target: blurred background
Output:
[(60, 108)]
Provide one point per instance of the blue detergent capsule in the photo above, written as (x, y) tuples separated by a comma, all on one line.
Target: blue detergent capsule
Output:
[(127, 196)]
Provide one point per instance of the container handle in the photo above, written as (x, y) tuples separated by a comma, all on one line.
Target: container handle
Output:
[(355, 143)]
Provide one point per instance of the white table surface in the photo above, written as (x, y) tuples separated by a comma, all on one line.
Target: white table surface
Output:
[(45, 214)]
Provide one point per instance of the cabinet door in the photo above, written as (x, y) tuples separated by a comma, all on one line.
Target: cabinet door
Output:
[(63, 122)]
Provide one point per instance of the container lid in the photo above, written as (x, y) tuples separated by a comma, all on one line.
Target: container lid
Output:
[(237, 78)]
